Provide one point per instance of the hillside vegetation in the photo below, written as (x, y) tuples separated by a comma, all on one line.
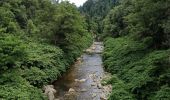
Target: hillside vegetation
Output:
[(39, 39), (95, 11), (137, 49)]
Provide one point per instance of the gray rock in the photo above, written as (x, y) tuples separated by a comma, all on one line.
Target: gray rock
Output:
[(99, 86), (83, 90), (71, 90), (102, 97), (93, 84), (94, 95), (49, 92), (82, 80)]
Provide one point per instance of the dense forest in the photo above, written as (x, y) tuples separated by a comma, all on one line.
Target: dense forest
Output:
[(136, 35), (39, 39), (95, 11)]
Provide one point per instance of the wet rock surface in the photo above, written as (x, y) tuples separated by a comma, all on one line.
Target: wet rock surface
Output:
[(83, 81)]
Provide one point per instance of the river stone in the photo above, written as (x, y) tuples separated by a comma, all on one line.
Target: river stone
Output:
[(94, 80), (71, 90), (79, 59), (99, 86), (88, 50), (102, 97), (93, 48), (83, 90), (94, 95), (70, 96), (82, 80), (91, 76), (49, 91), (76, 80), (93, 84)]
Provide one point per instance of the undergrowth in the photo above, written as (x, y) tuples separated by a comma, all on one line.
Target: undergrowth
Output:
[(138, 70)]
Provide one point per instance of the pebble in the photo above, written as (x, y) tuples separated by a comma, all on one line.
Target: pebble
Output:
[(93, 84), (83, 90), (99, 86), (82, 80), (94, 80), (76, 80), (94, 95), (93, 48), (102, 97)]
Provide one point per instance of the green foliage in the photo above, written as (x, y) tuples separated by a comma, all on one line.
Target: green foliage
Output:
[(31, 28), (143, 70), (95, 11), (70, 32), (114, 23), (143, 18), (139, 52), (120, 90), (12, 52), (6, 16), (14, 87), (44, 63), (163, 93), (13, 28), (38, 42)]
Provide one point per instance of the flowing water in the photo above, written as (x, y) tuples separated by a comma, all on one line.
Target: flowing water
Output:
[(82, 80)]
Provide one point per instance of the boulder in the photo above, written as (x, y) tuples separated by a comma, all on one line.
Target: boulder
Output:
[(49, 92)]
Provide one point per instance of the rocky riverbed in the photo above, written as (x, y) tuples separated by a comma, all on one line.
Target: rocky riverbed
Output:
[(83, 80)]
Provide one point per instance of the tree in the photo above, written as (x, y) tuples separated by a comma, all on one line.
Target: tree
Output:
[(95, 11)]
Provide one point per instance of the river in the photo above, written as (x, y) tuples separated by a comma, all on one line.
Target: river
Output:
[(83, 80)]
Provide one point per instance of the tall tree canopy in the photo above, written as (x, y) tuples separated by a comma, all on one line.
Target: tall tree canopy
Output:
[(95, 11), (137, 49), (39, 39)]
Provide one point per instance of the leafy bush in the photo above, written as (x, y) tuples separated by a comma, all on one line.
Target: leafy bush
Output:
[(14, 87), (12, 84), (39, 40), (43, 63), (120, 90), (163, 93), (143, 70), (12, 52)]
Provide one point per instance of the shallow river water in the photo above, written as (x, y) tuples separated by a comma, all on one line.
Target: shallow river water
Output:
[(82, 80)]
